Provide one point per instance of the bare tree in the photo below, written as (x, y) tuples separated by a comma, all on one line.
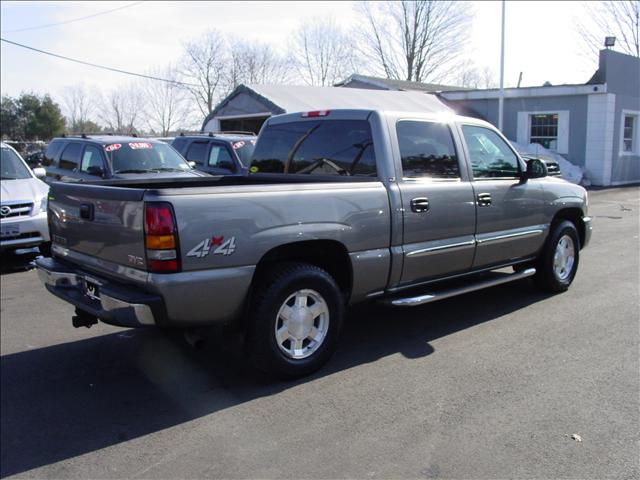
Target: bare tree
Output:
[(413, 40), (165, 104), (620, 19), (469, 75), (79, 104), (255, 63), (121, 109), (204, 65), (321, 53)]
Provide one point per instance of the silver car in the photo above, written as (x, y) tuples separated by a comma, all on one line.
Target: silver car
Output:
[(23, 209)]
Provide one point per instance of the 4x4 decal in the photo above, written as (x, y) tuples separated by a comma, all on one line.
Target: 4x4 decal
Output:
[(217, 245)]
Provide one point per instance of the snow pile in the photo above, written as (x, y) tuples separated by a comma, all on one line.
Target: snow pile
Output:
[(570, 172)]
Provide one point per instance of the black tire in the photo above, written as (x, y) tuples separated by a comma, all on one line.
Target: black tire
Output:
[(270, 295), (45, 249), (547, 277)]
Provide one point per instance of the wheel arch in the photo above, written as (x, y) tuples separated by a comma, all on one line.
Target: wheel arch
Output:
[(574, 215), (330, 255)]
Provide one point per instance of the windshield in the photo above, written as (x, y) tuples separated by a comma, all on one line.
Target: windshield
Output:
[(328, 147), (143, 157), (12, 167), (244, 149)]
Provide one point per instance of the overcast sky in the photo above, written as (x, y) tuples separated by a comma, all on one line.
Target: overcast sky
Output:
[(541, 38)]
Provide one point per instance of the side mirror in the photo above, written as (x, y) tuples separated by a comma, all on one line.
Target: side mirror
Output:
[(40, 172), (95, 171), (192, 164), (536, 168)]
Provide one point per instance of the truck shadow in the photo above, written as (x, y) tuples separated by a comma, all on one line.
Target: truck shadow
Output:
[(66, 400), (18, 261)]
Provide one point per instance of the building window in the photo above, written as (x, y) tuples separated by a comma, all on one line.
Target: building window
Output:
[(630, 133), (627, 134), (544, 130)]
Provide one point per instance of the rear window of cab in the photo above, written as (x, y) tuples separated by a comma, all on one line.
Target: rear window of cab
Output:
[(322, 147)]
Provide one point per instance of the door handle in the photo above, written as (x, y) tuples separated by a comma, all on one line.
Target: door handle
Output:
[(86, 211), (484, 199), (420, 204)]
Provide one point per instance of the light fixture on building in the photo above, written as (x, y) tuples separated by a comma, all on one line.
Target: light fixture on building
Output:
[(609, 41)]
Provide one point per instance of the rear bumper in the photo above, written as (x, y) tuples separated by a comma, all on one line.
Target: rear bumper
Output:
[(588, 228), (117, 304), (33, 231)]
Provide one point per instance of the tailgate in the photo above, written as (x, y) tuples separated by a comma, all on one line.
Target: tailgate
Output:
[(101, 221)]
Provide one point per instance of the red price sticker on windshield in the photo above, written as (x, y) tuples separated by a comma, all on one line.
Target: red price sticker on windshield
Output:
[(112, 147), (238, 145), (140, 145)]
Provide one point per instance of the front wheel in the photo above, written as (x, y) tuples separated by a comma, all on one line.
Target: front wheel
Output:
[(295, 321), (558, 263)]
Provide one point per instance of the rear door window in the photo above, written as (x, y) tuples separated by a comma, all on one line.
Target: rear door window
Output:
[(179, 144), (427, 150), (70, 156), (197, 152), (53, 149), (322, 147)]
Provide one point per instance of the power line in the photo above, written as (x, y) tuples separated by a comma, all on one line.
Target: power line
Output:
[(72, 20), (98, 66)]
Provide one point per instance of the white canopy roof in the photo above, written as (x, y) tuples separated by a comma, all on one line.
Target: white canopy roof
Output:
[(304, 98)]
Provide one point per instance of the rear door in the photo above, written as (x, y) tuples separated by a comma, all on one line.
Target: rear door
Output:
[(437, 200), (197, 153), (510, 221)]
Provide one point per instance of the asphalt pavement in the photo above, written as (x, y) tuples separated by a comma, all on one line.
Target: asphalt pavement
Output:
[(501, 383)]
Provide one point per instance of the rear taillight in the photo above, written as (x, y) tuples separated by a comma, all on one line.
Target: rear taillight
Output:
[(160, 238)]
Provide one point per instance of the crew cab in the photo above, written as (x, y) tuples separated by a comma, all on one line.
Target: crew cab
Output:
[(340, 207), (85, 158), (220, 153)]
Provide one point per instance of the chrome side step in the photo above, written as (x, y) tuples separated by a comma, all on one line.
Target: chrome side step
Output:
[(433, 297)]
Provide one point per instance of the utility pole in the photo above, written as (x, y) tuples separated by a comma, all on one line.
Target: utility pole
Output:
[(501, 97)]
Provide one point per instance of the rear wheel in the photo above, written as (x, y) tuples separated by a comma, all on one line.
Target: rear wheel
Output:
[(558, 263), (295, 320)]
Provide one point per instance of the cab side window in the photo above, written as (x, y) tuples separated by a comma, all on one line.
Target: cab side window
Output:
[(71, 157), (427, 150), (490, 155), (197, 152)]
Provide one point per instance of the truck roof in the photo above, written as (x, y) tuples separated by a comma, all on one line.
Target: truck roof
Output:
[(108, 139), (363, 114)]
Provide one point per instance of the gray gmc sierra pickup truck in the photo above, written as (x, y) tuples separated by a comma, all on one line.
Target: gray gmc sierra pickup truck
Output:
[(339, 207)]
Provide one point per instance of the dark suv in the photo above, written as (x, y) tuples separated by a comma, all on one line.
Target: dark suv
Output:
[(224, 153), (90, 157)]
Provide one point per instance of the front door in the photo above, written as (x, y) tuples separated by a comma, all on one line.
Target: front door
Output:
[(510, 211), (438, 204)]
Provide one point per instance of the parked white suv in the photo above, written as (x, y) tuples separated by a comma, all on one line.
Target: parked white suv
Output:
[(23, 204)]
